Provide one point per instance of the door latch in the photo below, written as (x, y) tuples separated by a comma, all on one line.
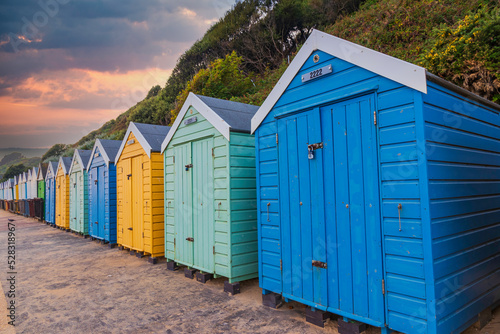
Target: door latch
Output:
[(188, 166), (130, 228), (311, 148), (95, 181), (129, 176), (190, 239), (96, 223), (319, 264)]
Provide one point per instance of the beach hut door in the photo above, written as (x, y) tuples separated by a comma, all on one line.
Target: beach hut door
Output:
[(195, 196), (330, 212)]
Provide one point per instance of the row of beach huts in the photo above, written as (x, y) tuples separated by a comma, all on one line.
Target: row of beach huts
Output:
[(363, 187)]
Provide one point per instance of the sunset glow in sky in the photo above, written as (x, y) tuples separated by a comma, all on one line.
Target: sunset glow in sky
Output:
[(69, 66)]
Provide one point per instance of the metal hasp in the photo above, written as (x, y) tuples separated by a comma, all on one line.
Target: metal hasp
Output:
[(188, 166), (319, 264), (130, 228), (129, 176), (311, 148), (190, 239)]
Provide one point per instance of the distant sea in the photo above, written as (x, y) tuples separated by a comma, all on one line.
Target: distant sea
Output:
[(27, 152)]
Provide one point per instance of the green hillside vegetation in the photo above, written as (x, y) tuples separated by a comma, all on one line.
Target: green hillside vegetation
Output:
[(14, 164), (244, 54)]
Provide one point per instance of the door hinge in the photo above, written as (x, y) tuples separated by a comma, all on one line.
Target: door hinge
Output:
[(375, 118), (174, 242), (213, 250), (281, 265), (143, 234), (276, 138), (122, 229), (383, 287), (213, 155), (173, 159)]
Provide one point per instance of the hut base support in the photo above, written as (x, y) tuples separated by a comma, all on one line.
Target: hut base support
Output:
[(347, 326), (121, 247), (153, 260), (189, 273), (232, 288), (67, 229), (140, 255), (484, 318), (317, 317), (110, 245), (204, 277), (132, 252), (172, 266), (272, 300)]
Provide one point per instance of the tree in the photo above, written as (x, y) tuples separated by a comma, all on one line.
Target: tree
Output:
[(13, 170), (54, 151), (11, 157), (153, 91)]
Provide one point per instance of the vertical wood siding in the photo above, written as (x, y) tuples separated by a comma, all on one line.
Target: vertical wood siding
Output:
[(234, 199), (152, 200), (62, 198), (399, 182)]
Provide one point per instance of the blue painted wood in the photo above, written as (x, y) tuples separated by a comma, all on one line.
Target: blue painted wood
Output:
[(50, 197), (102, 198), (436, 154)]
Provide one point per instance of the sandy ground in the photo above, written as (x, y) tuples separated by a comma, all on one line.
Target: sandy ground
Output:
[(67, 284)]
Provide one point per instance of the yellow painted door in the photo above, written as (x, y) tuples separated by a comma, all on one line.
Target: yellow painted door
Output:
[(127, 203), (58, 202), (137, 200)]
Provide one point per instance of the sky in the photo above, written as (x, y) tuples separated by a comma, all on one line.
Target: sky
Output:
[(69, 66)]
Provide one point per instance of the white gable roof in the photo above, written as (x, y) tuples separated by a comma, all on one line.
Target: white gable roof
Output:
[(205, 111), (405, 73)]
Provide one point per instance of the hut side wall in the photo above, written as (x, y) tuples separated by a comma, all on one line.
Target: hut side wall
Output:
[(462, 143)]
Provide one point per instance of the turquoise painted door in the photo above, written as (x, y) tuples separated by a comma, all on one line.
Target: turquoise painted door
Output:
[(80, 215), (183, 205), (330, 204), (74, 202), (195, 198)]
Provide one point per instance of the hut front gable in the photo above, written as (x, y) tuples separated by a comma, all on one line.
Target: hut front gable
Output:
[(132, 148)]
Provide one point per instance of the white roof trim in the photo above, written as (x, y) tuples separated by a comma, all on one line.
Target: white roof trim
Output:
[(144, 143), (40, 172), (61, 163), (76, 154), (102, 151), (50, 170), (205, 111), (405, 73)]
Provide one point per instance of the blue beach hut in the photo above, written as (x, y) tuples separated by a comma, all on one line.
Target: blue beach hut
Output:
[(102, 190), (50, 193), (378, 192)]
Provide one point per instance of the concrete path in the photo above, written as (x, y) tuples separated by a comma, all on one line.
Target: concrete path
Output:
[(67, 284)]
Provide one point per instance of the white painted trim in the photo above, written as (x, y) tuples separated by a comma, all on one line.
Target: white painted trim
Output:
[(405, 73), (207, 112), (76, 154), (144, 143), (50, 169), (61, 163), (103, 153), (39, 172)]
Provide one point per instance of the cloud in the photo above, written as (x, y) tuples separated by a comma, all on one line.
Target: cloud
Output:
[(69, 66)]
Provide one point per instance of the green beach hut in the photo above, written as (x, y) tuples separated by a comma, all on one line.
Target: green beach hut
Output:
[(210, 191), (78, 192)]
